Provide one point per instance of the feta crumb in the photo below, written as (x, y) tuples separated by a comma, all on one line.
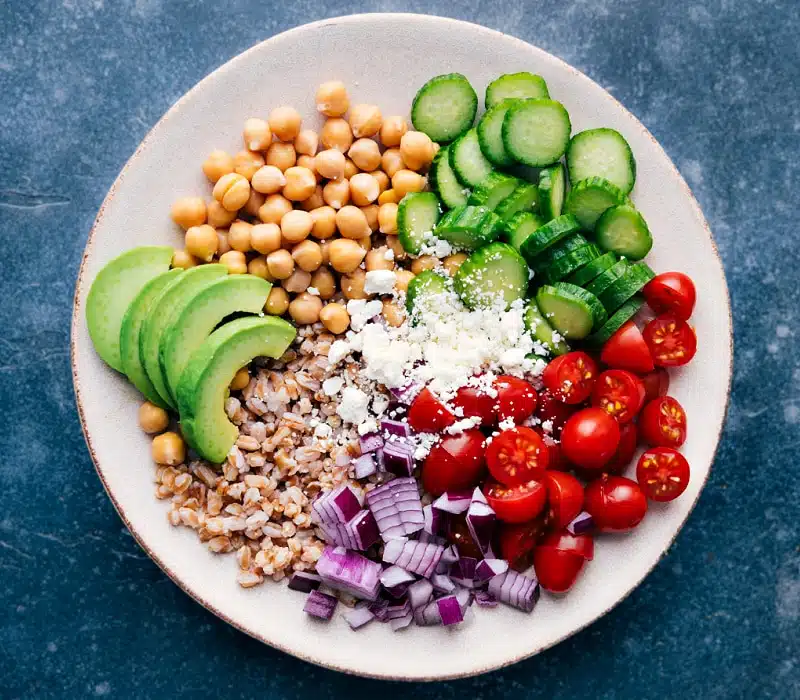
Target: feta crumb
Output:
[(323, 430), (506, 424), (332, 385), (389, 254), (338, 351), (313, 291), (461, 425), (547, 426), (380, 281), (354, 406)]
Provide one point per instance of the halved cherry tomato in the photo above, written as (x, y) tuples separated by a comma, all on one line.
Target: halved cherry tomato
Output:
[(458, 534), (516, 542), (429, 415), (616, 503), (457, 462), (516, 398), (663, 423), (671, 293), (551, 409), (555, 460), (663, 473), (672, 341), (476, 403), (626, 349), (590, 438), (570, 377), (564, 497), (556, 570), (656, 383), (516, 504), (628, 438), (517, 456), (563, 541), (619, 393)]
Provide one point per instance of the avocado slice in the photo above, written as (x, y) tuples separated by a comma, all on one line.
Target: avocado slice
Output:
[(129, 334), (164, 310), (112, 291), (202, 314), (204, 383)]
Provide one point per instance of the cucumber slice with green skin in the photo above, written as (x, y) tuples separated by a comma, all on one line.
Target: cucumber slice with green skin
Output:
[(467, 160), (495, 271), (426, 283), (605, 279), (542, 331), (622, 289), (572, 311), (536, 132), (515, 85), (445, 107), (444, 181), (588, 199), (590, 271), (559, 250), (490, 134), (417, 216), (564, 266), (524, 198), (618, 319), (601, 153), (624, 231), (519, 227), (552, 190), (493, 190), (468, 227), (548, 235)]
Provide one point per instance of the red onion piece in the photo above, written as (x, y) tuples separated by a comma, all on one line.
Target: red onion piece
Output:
[(417, 557), (450, 610), (400, 623), (431, 539), (398, 458), (515, 589), (435, 520), (349, 572), (397, 508), (465, 598), (320, 605), (485, 599), (582, 524), (442, 583), (396, 427), (487, 569), (360, 533), (450, 554), (336, 506), (396, 581), (378, 609), (454, 502), (304, 582), (358, 616), (481, 521), (398, 610), (406, 394), (364, 466), (370, 442), (420, 593)]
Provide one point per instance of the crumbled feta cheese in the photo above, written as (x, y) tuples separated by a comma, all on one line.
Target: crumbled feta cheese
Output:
[(313, 291), (361, 311), (323, 430), (389, 254), (380, 281), (353, 408), (547, 426), (332, 385), (461, 425), (379, 404), (370, 425), (506, 424), (338, 351)]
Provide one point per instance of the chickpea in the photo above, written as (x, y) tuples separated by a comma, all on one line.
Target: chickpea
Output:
[(168, 448), (254, 202), (402, 279), (265, 238), (345, 255), (268, 180), (365, 120), (453, 262), (365, 242), (371, 212), (365, 154), (297, 282), (416, 149), (336, 133), (285, 123), (232, 191), (183, 260), (315, 201), (300, 184), (351, 222), (296, 225), (325, 248), (364, 189), (280, 264), (335, 318), (152, 418), (257, 135), (324, 282), (189, 211), (235, 261), (324, 219), (222, 243), (307, 142), (305, 308), (388, 197), (239, 236), (307, 255), (281, 155), (277, 301), (376, 259), (201, 242), (309, 163), (405, 181), (336, 193), (392, 161), (393, 313), (240, 380), (330, 164), (353, 284), (392, 131), (331, 98), (394, 244), (247, 163), (350, 169), (217, 164), (381, 178), (219, 216), (423, 262), (387, 218), (274, 208), (258, 268)]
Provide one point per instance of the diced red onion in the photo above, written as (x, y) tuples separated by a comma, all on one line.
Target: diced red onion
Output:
[(397, 508), (434, 519), (398, 458), (398, 610), (485, 599), (462, 572), (515, 589), (336, 506), (453, 502), (400, 623), (417, 557), (360, 533), (350, 572), (582, 524), (432, 539), (396, 427), (442, 583), (428, 614), (370, 442), (358, 616), (419, 593), (489, 568), (396, 581), (450, 610), (480, 521), (464, 597), (364, 466), (320, 605), (304, 582), (406, 394), (450, 554)]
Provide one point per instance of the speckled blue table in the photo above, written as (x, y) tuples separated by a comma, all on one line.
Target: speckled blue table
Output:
[(83, 612)]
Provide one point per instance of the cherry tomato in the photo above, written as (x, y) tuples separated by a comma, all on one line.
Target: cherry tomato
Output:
[(517, 456), (663, 473), (476, 403), (672, 342), (429, 415), (551, 409), (570, 377), (564, 496), (619, 393), (458, 534), (628, 438), (516, 398), (616, 503), (590, 438), (656, 384), (516, 504), (663, 423), (516, 542), (671, 293), (626, 349), (456, 463), (555, 460), (563, 541), (556, 570)]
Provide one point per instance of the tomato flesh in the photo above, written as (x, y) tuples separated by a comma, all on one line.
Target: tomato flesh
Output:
[(628, 439), (553, 412), (671, 292), (656, 383), (616, 503), (663, 473), (564, 496), (626, 349), (429, 415), (619, 393), (590, 438), (517, 456), (455, 463), (663, 423), (671, 340), (516, 504), (476, 403), (516, 398), (557, 570), (570, 377), (517, 542), (563, 541)]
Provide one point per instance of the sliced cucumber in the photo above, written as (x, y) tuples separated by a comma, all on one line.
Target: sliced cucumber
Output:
[(468, 227), (564, 266), (542, 331), (536, 132), (572, 311), (426, 283), (444, 182), (524, 198), (417, 215), (519, 227), (496, 270), (623, 230), (605, 279), (490, 134), (515, 85), (468, 161), (552, 190), (619, 318), (588, 272), (549, 234), (622, 289), (601, 153), (588, 199), (445, 107), (569, 245)]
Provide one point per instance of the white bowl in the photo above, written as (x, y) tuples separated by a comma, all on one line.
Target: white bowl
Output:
[(384, 59)]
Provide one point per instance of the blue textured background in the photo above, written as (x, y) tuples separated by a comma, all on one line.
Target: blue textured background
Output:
[(83, 612)]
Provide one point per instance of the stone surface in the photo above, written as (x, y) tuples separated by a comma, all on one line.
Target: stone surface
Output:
[(83, 612)]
